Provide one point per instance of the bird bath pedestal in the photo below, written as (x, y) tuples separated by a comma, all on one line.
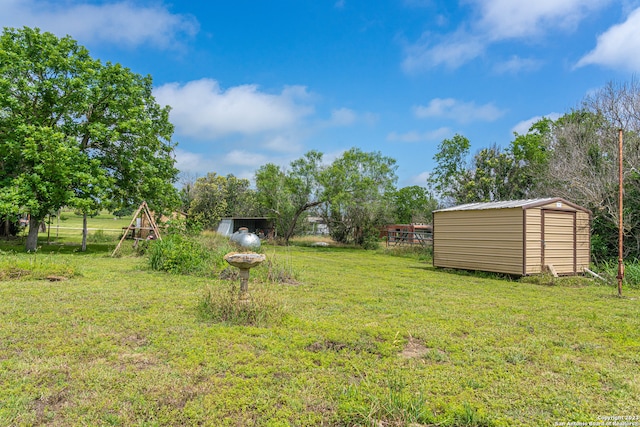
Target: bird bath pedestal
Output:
[(245, 262)]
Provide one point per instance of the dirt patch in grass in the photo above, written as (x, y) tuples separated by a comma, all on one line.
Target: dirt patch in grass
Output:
[(326, 345), (414, 349), (45, 408)]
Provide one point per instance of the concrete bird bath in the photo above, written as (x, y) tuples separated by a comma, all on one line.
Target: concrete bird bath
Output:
[(244, 261)]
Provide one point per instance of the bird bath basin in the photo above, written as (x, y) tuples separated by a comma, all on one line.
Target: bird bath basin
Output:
[(244, 261)]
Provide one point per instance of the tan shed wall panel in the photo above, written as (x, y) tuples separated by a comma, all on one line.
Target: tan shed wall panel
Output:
[(583, 240), (533, 242), (488, 240)]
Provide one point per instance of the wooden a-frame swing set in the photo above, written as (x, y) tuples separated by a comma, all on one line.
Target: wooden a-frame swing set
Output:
[(145, 228)]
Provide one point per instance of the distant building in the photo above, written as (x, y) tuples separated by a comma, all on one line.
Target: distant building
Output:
[(318, 226), (262, 226)]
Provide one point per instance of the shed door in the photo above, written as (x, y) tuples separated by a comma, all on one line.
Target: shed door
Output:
[(559, 240)]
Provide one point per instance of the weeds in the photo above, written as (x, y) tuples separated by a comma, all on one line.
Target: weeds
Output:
[(609, 269), (274, 270), (395, 404), (467, 415), (225, 304)]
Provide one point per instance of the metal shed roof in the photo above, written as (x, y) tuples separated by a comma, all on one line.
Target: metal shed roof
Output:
[(524, 204)]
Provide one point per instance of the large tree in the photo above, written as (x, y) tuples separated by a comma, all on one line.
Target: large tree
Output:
[(358, 188), (289, 194), (76, 132), (448, 177)]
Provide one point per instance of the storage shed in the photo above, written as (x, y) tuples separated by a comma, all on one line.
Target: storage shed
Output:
[(261, 226), (519, 237)]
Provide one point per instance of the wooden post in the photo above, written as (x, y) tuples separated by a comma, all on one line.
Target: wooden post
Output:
[(620, 230)]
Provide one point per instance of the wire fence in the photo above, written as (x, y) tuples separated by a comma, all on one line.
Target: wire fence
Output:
[(400, 238)]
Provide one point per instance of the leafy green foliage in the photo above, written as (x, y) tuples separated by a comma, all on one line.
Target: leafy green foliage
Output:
[(75, 132), (413, 204), (212, 197), (609, 269), (451, 160), (287, 195), (493, 174), (358, 187), (178, 254)]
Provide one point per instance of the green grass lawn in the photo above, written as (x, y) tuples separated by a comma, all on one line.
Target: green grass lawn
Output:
[(368, 339)]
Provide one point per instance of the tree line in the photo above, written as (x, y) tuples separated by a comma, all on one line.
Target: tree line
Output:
[(355, 195)]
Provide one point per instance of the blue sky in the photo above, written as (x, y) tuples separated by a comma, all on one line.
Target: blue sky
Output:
[(252, 82)]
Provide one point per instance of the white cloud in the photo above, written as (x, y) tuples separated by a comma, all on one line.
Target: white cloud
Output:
[(339, 4), (124, 23), (201, 109), (193, 163), (343, 117), (516, 64), (462, 112), (492, 21), (522, 128), (413, 136), (618, 46), (285, 142), (420, 179), (508, 19), (454, 51), (245, 158), (240, 163)]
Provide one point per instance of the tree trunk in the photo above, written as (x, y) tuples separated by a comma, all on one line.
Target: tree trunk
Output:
[(294, 221), (84, 232), (32, 237)]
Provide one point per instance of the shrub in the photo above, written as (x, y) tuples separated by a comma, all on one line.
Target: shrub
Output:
[(178, 254)]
